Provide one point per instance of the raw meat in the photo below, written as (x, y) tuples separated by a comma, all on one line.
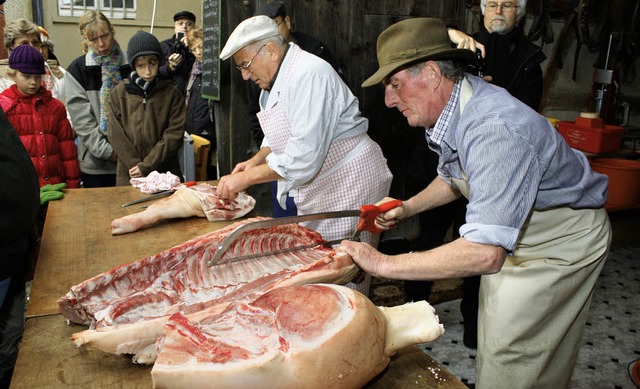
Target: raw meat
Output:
[(128, 306), (313, 336), (198, 200)]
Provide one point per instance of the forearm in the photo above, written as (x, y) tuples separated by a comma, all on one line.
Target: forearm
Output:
[(260, 174), (460, 258), (436, 194), (260, 158)]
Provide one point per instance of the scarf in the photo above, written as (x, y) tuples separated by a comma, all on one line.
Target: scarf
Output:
[(146, 86), (196, 70), (110, 67)]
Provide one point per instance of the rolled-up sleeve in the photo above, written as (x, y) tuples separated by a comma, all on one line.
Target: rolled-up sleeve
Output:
[(503, 174)]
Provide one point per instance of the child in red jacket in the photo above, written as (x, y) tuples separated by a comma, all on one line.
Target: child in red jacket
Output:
[(40, 120)]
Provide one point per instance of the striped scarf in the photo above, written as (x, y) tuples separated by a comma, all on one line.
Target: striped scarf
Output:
[(110, 66)]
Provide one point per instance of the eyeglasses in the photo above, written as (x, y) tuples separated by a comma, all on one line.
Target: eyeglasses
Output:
[(246, 66), (506, 7)]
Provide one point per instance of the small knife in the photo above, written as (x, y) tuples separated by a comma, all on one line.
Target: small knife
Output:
[(161, 194), (367, 214)]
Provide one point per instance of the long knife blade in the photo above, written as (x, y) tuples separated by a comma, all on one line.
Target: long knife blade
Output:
[(328, 243), (154, 196), (160, 194), (238, 231)]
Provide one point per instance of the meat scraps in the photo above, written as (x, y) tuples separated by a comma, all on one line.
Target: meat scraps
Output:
[(198, 200), (128, 306), (312, 336)]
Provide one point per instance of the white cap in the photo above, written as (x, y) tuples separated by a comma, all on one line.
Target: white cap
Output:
[(249, 31)]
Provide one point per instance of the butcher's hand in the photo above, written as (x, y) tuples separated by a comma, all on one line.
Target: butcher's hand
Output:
[(464, 41), (364, 255), (388, 220), (230, 185), (135, 172)]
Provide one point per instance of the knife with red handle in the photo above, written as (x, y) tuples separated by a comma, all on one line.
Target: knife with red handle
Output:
[(368, 215)]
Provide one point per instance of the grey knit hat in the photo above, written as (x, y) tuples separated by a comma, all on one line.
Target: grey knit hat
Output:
[(27, 60), (143, 43)]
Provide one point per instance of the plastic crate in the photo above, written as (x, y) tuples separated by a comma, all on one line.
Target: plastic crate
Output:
[(591, 135)]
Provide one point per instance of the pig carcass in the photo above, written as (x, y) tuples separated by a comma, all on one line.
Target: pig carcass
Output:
[(198, 200), (128, 306), (312, 336)]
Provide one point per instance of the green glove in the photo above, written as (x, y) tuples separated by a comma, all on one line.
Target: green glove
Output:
[(52, 187), (51, 192), (50, 195)]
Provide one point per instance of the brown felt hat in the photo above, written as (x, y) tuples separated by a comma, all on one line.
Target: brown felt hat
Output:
[(412, 40)]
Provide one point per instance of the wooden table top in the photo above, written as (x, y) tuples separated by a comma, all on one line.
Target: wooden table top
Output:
[(77, 244)]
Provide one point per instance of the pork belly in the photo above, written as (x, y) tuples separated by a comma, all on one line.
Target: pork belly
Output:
[(312, 336)]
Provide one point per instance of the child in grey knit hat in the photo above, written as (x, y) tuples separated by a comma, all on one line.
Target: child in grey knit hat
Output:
[(147, 116)]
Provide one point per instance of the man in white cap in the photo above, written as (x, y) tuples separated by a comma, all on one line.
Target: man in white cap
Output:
[(536, 228), (316, 141)]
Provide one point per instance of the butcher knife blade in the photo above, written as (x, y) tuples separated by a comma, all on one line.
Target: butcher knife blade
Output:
[(366, 213), (161, 194)]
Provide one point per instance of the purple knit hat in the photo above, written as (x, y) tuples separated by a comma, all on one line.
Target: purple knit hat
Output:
[(27, 60)]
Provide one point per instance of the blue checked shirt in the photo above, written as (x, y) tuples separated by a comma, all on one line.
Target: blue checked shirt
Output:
[(513, 160)]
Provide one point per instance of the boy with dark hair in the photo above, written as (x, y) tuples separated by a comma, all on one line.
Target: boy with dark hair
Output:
[(147, 116)]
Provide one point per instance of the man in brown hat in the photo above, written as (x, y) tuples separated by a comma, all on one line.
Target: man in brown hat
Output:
[(535, 225), (316, 143)]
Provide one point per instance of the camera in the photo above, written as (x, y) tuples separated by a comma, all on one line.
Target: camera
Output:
[(178, 46)]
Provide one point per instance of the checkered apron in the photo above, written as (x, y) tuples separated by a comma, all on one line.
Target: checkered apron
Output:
[(354, 173)]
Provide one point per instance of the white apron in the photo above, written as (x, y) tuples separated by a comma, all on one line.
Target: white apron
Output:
[(354, 173), (532, 313)]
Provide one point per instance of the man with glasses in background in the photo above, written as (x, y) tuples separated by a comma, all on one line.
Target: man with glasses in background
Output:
[(315, 139), (511, 61)]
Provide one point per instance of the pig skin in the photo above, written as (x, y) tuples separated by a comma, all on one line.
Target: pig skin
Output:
[(312, 336), (199, 200)]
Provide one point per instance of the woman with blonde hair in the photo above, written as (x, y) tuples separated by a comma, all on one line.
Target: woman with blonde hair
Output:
[(92, 77), (20, 32)]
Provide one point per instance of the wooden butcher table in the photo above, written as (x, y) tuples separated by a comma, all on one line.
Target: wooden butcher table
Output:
[(76, 245)]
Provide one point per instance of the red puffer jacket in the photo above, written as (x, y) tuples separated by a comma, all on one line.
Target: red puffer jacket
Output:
[(41, 122)]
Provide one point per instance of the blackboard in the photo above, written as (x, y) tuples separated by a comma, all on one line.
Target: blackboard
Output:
[(211, 49)]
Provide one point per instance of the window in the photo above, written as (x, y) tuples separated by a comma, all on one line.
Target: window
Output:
[(113, 9)]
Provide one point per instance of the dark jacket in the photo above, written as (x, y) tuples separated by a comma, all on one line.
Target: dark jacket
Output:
[(199, 109), (179, 77), (19, 202), (514, 64), (308, 44), (41, 122), (146, 130)]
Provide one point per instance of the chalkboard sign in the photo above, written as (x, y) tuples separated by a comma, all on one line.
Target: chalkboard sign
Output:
[(211, 49)]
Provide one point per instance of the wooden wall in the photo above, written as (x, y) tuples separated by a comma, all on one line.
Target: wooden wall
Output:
[(350, 29)]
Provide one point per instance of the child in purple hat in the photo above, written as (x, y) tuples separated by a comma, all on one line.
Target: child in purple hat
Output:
[(40, 120)]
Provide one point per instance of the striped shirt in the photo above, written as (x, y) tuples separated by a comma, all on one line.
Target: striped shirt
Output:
[(513, 161)]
